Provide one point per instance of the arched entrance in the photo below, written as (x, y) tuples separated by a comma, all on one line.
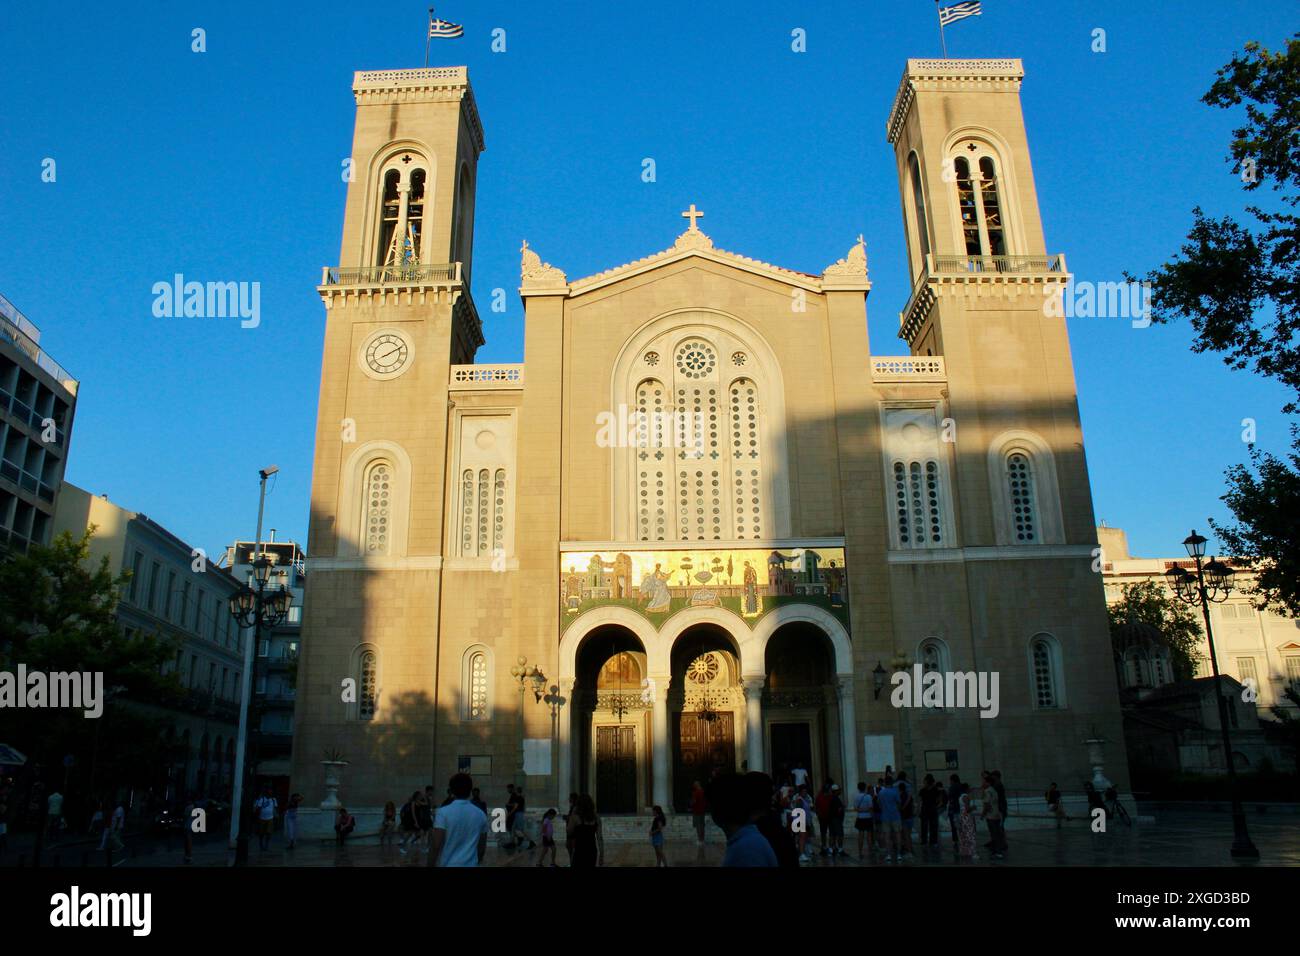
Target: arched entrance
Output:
[(707, 705), (612, 716), (800, 698)]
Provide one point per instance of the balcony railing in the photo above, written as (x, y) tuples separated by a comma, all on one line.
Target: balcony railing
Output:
[(414, 273), (26, 480), (15, 328), (487, 376), (913, 368), (995, 264)]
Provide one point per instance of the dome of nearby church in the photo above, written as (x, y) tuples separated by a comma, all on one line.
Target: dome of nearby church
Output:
[(1133, 633)]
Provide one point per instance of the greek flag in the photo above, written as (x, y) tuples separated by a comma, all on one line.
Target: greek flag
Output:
[(959, 11), (445, 30)]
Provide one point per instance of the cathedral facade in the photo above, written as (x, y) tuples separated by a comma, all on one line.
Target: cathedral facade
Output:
[(701, 526)]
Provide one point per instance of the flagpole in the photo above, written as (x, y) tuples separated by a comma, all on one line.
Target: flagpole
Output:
[(428, 37), (941, 37)]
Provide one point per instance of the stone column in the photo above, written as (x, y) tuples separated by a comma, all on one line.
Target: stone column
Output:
[(754, 721), (564, 784), (659, 690), (848, 733)]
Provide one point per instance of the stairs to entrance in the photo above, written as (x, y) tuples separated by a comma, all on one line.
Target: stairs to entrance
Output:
[(635, 828)]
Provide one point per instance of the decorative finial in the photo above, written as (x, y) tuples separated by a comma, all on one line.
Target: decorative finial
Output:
[(853, 264), (533, 270)]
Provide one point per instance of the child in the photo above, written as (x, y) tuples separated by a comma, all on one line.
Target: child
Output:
[(966, 830), (657, 826), (548, 837)]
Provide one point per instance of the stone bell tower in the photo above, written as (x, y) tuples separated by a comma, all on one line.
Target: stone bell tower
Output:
[(398, 315)]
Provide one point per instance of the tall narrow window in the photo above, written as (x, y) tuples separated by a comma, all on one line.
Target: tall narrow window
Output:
[(483, 512), (917, 503), (415, 218), (499, 511), (1044, 675), (652, 473), (478, 686), (746, 459), (992, 209), (378, 510), (900, 504), (367, 686), (467, 513), (1020, 484), (918, 205), (389, 212), (966, 205)]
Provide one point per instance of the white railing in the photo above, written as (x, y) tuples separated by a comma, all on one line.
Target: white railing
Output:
[(487, 376), (909, 368)]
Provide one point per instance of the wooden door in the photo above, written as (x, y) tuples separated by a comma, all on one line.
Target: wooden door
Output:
[(616, 769)]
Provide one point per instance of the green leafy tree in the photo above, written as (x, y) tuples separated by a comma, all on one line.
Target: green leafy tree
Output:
[(1239, 286), (58, 614), (1287, 728), (1147, 602)]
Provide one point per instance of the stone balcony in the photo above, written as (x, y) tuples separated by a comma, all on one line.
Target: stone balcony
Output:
[(486, 377)]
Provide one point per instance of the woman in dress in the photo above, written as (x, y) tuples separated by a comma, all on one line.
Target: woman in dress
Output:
[(966, 830), (657, 827), (588, 843)]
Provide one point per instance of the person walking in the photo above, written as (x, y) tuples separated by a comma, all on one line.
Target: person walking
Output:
[(931, 796), (657, 827), (387, 828), (187, 825), (406, 821), (992, 817), (1055, 805), (512, 807), (862, 805), (955, 790), (519, 833), (265, 806), (423, 821), (965, 828), (801, 812), (888, 799), (835, 819), (548, 837), (907, 812), (460, 829), (822, 807), (117, 828), (588, 841), (699, 807), (53, 813), (570, 825), (291, 820)]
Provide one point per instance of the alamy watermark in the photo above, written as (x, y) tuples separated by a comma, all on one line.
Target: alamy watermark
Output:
[(208, 300), (943, 689), (1100, 300), (77, 690), (661, 429)]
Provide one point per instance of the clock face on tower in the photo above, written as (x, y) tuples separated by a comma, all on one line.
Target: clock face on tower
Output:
[(385, 354)]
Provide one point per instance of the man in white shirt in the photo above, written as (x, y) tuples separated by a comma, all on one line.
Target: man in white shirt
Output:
[(460, 829), (800, 775), (265, 807)]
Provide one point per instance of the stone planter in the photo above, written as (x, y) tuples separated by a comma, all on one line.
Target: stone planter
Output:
[(1096, 757), (333, 770)]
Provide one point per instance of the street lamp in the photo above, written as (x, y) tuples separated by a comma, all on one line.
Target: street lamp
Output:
[(256, 609), (525, 675), (878, 679), (1213, 582)]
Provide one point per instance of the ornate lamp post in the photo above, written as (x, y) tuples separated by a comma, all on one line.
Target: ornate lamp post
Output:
[(256, 609), (901, 662), (1213, 582)]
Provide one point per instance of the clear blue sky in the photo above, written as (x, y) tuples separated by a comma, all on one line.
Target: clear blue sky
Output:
[(225, 165)]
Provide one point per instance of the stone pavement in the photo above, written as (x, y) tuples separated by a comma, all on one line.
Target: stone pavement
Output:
[(1175, 839)]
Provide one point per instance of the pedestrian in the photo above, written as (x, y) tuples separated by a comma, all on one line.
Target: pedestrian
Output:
[(548, 837), (658, 824), (344, 824), (955, 790), (768, 819), (965, 827), (733, 805), (798, 774), (476, 798), (1055, 805), (699, 807), (588, 841), (520, 833), (117, 828), (931, 796), (291, 821), (570, 824), (821, 807), (907, 812), (265, 805), (835, 818), (992, 817), (53, 813), (406, 823), (460, 829), (512, 807), (98, 825), (888, 799), (1095, 802), (387, 829), (862, 805), (801, 812), (423, 820)]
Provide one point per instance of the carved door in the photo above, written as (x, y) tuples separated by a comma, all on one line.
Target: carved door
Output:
[(616, 769), (703, 747)]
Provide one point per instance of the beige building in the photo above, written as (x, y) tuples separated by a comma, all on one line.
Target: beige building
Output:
[(702, 519), (1252, 645)]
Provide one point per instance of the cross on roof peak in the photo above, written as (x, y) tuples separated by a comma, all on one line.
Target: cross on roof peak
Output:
[(693, 214)]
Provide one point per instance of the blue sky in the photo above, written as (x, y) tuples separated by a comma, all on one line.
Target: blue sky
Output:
[(225, 165)]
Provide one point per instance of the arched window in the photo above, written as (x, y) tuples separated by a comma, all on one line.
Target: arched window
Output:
[(746, 459), (918, 504), (979, 201), (653, 501), (478, 686), (918, 205), (1045, 673), (402, 204), (367, 685), (932, 655), (378, 507), (1020, 487)]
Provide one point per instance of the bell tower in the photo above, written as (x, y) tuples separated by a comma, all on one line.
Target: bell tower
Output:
[(398, 316)]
